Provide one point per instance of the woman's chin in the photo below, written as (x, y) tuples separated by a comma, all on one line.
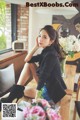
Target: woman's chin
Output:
[(41, 46)]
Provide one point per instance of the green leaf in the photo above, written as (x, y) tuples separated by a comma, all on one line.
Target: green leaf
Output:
[(71, 53), (40, 93)]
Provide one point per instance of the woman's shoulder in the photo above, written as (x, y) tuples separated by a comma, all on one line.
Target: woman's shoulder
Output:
[(51, 54)]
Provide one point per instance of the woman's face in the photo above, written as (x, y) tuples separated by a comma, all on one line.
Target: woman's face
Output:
[(44, 39)]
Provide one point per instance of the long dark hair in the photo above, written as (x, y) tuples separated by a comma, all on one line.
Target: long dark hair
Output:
[(53, 34)]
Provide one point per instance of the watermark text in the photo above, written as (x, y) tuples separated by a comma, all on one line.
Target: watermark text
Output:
[(56, 4)]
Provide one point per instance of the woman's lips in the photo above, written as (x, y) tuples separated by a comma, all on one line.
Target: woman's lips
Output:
[(40, 43)]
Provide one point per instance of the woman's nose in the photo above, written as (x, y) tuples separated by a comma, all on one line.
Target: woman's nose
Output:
[(41, 39)]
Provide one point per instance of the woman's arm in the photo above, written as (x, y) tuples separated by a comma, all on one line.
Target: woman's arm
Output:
[(30, 54)]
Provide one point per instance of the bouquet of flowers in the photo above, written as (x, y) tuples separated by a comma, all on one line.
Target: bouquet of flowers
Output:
[(70, 44), (40, 109)]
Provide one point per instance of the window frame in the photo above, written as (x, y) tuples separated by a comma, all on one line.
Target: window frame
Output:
[(13, 26)]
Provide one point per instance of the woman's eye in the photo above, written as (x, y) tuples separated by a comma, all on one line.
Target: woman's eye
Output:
[(45, 37), (39, 36)]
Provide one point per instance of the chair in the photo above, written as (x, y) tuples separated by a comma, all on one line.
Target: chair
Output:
[(77, 102), (7, 79)]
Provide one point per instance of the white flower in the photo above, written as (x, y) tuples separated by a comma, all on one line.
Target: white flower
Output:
[(70, 44)]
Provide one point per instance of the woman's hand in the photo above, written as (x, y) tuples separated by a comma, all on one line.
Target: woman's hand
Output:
[(37, 44), (34, 49)]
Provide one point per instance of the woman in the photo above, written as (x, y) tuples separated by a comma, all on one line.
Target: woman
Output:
[(48, 74)]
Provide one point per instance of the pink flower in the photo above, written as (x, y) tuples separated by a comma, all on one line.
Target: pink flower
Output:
[(44, 102), (53, 115), (26, 111), (38, 111)]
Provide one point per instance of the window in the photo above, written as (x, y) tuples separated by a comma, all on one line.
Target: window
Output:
[(7, 25)]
